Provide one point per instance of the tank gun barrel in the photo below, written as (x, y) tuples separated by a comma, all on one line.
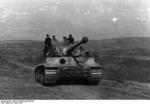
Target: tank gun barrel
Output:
[(73, 47)]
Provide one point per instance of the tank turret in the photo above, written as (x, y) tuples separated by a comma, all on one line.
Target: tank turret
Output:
[(70, 49)]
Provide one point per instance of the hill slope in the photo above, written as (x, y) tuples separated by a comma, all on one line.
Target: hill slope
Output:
[(121, 46), (137, 46)]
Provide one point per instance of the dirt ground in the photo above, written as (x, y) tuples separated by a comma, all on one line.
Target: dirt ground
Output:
[(17, 82)]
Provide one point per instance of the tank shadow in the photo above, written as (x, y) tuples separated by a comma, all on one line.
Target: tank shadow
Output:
[(72, 81), (68, 81)]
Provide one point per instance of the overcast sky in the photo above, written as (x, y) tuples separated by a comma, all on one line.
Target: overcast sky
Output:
[(98, 19)]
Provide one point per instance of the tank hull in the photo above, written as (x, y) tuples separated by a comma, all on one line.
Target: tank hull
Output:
[(52, 74)]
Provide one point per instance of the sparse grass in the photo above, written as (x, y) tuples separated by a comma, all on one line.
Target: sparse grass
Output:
[(29, 53), (13, 71), (122, 69)]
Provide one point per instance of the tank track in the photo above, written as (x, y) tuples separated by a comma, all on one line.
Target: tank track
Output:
[(95, 76), (51, 77), (37, 73), (45, 76)]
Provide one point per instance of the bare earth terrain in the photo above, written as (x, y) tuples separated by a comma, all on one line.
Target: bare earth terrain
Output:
[(20, 84)]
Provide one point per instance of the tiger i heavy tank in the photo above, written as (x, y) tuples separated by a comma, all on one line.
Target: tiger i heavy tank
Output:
[(67, 65)]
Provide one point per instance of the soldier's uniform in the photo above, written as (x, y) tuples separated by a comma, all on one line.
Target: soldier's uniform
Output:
[(55, 45), (48, 44), (70, 39)]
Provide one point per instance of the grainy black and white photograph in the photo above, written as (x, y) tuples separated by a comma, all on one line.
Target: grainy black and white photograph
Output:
[(75, 49)]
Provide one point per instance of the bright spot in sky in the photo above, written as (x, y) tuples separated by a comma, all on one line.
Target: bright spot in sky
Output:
[(25, 13), (114, 19)]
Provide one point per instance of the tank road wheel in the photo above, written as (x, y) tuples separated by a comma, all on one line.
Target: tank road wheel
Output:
[(51, 77), (95, 77)]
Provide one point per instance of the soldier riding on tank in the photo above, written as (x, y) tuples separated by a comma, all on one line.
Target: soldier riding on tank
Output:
[(47, 44)]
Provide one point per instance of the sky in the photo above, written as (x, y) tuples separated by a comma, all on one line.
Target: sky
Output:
[(97, 19)]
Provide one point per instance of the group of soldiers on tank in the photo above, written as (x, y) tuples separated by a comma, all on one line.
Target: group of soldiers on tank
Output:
[(51, 43), (68, 41), (51, 46)]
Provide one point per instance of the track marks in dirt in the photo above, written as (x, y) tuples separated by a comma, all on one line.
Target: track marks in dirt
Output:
[(80, 92), (19, 64)]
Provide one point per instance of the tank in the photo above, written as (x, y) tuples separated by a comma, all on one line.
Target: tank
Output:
[(65, 64)]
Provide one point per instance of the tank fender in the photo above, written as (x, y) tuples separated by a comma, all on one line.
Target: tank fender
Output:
[(39, 67), (91, 62)]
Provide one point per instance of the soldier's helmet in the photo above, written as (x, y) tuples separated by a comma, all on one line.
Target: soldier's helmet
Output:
[(47, 35), (70, 35)]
